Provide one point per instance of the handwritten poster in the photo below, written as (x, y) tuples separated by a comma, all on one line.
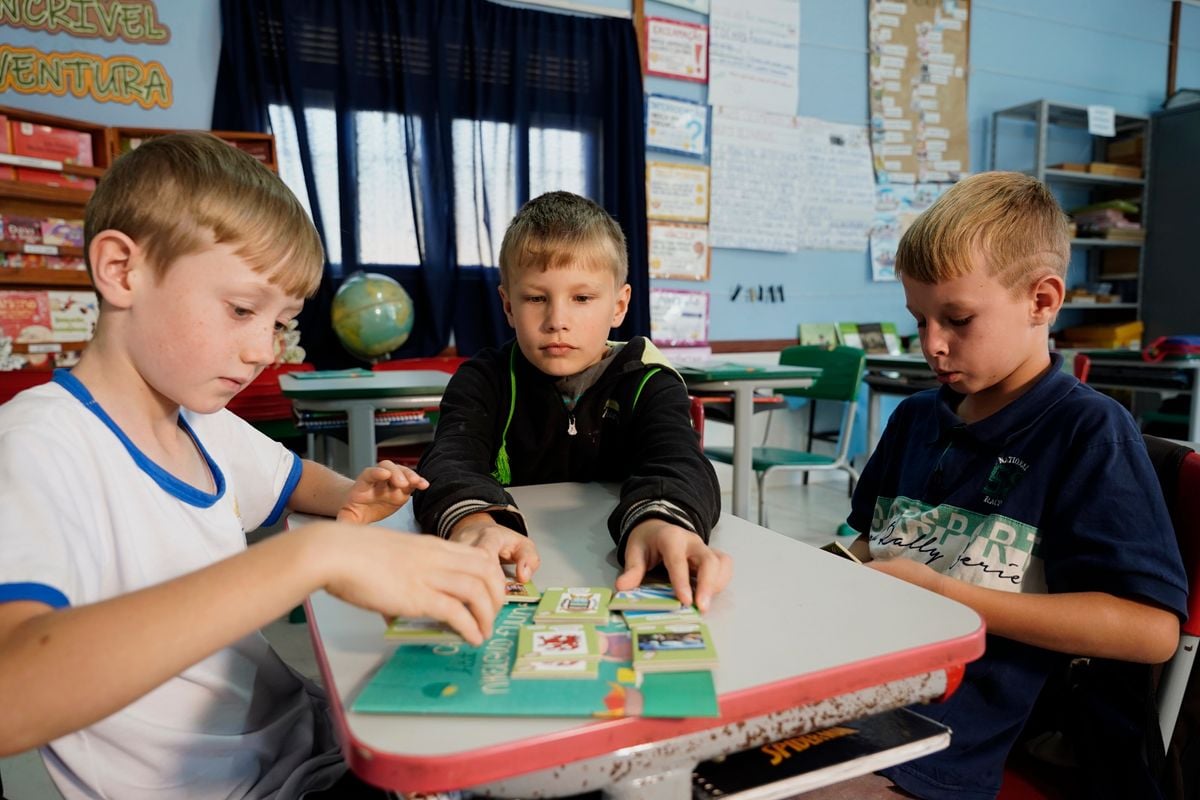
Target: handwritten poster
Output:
[(676, 126), (754, 53), (756, 180), (676, 192), (678, 318), (676, 49), (896, 206), (837, 186), (678, 250), (918, 74)]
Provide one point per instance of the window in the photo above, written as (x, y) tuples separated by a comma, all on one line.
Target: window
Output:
[(486, 165)]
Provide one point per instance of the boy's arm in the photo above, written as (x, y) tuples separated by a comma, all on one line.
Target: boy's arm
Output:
[(1093, 624), (61, 670)]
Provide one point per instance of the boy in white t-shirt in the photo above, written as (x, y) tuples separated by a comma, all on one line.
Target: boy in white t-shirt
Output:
[(129, 603)]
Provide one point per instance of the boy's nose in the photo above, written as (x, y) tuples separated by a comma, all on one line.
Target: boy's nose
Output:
[(556, 317), (934, 341), (259, 349)]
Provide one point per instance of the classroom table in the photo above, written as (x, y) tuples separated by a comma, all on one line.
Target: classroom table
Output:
[(902, 374), (805, 640), (1126, 369), (360, 396), (743, 381)]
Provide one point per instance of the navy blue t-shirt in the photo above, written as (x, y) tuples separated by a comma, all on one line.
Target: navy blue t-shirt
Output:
[(1053, 493)]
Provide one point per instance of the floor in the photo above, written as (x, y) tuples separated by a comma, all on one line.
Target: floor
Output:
[(808, 513)]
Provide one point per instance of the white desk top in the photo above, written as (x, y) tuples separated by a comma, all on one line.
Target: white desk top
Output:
[(795, 626)]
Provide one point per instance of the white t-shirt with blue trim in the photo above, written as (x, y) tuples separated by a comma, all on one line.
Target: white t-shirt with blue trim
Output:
[(86, 516)]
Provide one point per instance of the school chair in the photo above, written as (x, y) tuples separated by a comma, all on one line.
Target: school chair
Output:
[(696, 413), (840, 379), (1178, 469), (1082, 366)]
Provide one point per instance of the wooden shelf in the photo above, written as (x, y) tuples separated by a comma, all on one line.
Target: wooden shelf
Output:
[(1094, 179), (47, 348), (71, 278), (21, 190), (59, 249), (1097, 242), (1099, 306)]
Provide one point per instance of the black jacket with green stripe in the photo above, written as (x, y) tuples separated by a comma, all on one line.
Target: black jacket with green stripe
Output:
[(632, 427)]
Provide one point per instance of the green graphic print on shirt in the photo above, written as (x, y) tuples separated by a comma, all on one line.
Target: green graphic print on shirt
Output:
[(988, 550)]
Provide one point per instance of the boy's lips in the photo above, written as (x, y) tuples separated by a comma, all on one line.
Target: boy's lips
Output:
[(556, 348)]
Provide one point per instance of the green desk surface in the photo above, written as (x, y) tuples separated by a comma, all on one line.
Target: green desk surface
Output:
[(729, 371)]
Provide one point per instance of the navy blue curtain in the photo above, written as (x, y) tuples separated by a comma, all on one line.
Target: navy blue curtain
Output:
[(448, 74)]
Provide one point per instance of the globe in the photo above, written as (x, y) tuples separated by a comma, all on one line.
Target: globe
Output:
[(372, 315)]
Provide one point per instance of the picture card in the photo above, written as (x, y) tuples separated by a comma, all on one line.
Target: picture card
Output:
[(647, 597), (574, 604)]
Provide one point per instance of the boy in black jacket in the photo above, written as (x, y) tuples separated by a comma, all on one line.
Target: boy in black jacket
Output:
[(561, 403)]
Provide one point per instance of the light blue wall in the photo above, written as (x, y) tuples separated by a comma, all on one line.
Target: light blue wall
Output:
[(189, 58), (1111, 52)]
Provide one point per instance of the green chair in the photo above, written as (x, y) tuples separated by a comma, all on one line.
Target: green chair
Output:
[(841, 375)]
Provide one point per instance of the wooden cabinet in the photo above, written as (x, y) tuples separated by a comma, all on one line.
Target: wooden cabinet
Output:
[(259, 145)]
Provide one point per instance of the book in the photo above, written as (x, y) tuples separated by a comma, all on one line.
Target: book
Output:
[(874, 338), (573, 642), (420, 630), (459, 679), (647, 597), (806, 761), (673, 647), (574, 604), (824, 334)]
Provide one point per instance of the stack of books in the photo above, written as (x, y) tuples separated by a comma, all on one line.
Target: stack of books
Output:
[(335, 420)]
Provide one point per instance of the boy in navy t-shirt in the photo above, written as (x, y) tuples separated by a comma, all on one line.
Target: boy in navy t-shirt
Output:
[(1013, 488)]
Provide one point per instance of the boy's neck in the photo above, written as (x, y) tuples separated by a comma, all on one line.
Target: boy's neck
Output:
[(981, 405)]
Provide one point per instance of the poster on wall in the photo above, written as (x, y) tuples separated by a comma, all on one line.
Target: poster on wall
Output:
[(678, 317), (918, 90), (677, 192), (676, 126), (896, 206), (754, 54), (756, 180), (837, 199), (676, 49), (678, 250)]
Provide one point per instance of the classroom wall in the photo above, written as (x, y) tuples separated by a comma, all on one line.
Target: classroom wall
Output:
[(1112, 52)]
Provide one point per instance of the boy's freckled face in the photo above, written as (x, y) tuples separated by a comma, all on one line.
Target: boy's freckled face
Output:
[(206, 329), (976, 334), (563, 316)]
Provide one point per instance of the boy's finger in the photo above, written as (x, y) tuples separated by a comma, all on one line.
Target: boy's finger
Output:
[(681, 579), (709, 579), (448, 610), (635, 569)]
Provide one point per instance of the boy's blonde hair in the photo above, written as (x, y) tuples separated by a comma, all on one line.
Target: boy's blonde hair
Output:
[(1011, 219), (559, 228), (174, 192)]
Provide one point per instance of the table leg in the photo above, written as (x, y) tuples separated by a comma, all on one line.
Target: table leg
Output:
[(872, 420), (743, 420), (360, 420)]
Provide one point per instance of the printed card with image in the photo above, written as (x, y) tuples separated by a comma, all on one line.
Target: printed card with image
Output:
[(557, 642), (673, 647), (651, 617), (647, 597), (564, 669), (517, 592), (574, 604)]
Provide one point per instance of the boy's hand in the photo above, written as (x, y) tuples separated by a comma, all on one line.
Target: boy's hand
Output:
[(683, 553), (378, 492), (506, 545), (410, 575), (913, 572)]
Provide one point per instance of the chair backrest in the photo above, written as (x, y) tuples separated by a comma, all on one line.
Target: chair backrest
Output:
[(1082, 366), (841, 371)]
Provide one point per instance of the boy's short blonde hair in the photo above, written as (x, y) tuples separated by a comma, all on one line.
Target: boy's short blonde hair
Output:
[(560, 228), (1010, 219), (175, 194)]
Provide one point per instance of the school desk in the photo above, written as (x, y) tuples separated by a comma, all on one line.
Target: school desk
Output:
[(805, 640), (360, 397), (1126, 369), (903, 374), (742, 381)]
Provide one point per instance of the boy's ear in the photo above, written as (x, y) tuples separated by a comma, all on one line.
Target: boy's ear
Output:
[(622, 306), (113, 255), (507, 305), (1046, 298)]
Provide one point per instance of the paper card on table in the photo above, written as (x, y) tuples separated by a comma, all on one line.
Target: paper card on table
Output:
[(562, 669), (557, 642), (688, 614), (457, 679), (421, 630), (647, 597), (574, 604), (673, 647), (679, 694)]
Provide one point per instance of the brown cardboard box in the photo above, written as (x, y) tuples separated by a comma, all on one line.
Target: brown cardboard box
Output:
[(1130, 150), (1119, 261), (1117, 170)]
